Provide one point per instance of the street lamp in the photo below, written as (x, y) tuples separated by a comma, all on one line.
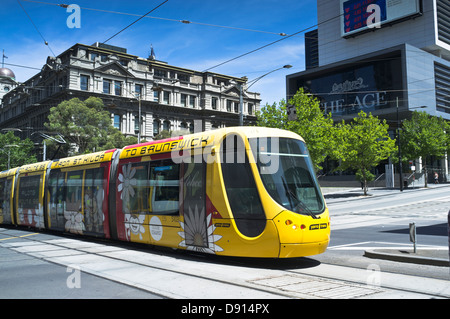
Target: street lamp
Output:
[(241, 93), (58, 139), (9, 153)]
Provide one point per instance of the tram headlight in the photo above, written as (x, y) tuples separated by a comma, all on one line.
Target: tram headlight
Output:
[(289, 222)]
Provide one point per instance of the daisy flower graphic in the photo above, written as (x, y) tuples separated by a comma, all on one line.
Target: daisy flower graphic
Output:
[(134, 224), (197, 236), (74, 222), (39, 217), (127, 182)]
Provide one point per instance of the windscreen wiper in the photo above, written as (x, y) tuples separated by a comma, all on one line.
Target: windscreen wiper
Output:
[(291, 196)]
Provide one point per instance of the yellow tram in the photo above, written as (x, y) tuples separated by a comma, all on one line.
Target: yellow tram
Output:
[(242, 191)]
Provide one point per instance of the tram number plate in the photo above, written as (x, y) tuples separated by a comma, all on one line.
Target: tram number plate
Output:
[(318, 226)]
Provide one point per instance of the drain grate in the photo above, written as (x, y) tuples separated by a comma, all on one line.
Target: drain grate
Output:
[(310, 287)]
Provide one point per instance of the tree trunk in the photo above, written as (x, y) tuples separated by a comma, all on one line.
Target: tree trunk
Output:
[(424, 162), (363, 171)]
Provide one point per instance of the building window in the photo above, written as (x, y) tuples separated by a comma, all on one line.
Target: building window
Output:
[(117, 122), (138, 89), (166, 125), (236, 107), (229, 105), (160, 73), (155, 96), (156, 125), (166, 95), (214, 103), (183, 77), (192, 101), (84, 82), (183, 99), (93, 56), (136, 124), (117, 88), (107, 86), (250, 108)]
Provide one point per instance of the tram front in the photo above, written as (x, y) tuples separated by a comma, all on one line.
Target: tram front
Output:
[(290, 194)]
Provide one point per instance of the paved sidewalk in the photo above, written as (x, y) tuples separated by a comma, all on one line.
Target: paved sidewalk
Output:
[(433, 257), (338, 194)]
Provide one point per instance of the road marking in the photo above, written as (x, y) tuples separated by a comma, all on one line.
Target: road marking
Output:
[(361, 246), (19, 236)]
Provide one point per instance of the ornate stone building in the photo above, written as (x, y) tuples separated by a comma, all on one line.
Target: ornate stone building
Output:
[(167, 97), (7, 82)]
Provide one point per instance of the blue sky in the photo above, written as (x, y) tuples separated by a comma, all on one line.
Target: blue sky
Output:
[(196, 46)]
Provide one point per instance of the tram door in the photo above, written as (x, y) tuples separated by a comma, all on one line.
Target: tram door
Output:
[(194, 206)]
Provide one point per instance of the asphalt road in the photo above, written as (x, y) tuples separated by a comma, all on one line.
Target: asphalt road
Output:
[(23, 276), (382, 221), (39, 265)]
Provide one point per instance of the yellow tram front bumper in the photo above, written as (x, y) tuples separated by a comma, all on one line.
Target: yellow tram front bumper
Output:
[(302, 250), (302, 235)]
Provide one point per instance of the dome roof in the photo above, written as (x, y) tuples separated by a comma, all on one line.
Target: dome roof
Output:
[(4, 72)]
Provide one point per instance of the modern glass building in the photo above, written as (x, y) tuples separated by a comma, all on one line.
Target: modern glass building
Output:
[(379, 56)]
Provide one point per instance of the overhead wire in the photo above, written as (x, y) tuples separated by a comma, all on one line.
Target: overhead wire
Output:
[(117, 33), (135, 21), (184, 21), (285, 36), (272, 43), (31, 20), (22, 66)]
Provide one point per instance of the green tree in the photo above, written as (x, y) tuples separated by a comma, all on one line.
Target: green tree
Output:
[(310, 123), (363, 144), (313, 125), (86, 126), (274, 116), (18, 152), (422, 136)]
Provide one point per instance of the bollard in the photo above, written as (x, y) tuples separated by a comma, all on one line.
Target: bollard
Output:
[(412, 235)]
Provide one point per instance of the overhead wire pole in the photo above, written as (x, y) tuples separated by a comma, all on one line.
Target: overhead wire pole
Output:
[(241, 92)]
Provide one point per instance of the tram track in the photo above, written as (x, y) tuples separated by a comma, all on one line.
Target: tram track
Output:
[(109, 255), (182, 275)]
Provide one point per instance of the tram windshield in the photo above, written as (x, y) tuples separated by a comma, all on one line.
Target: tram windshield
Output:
[(288, 175)]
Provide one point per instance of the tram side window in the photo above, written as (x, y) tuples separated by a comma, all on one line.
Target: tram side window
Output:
[(74, 191), (164, 188), (134, 188), (93, 199), (150, 187), (56, 199), (29, 192), (241, 189), (5, 199), (2, 199)]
